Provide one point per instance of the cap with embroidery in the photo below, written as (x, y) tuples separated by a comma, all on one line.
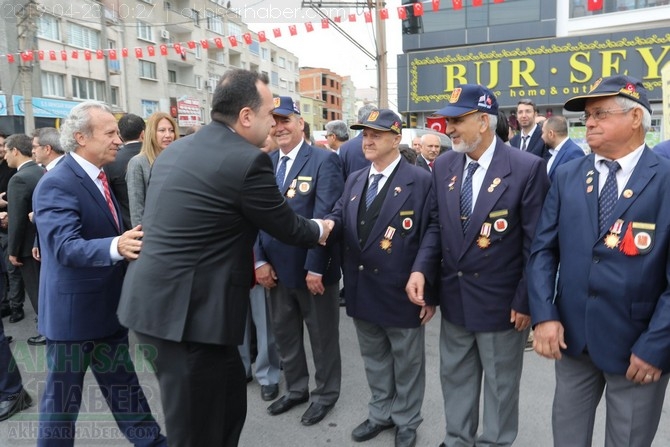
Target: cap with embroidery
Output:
[(382, 119), (469, 98), (618, 85), (285, 106)]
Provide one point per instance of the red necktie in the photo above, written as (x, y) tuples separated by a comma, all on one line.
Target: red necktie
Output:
[(430, 163), (108, 196)]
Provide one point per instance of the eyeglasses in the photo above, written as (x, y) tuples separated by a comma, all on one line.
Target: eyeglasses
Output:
[(601, 114)]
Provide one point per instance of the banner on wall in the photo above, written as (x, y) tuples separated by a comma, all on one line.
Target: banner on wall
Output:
[(188, 111), (43, 107)]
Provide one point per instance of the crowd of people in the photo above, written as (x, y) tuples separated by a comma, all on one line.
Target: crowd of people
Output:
[(193, 242)]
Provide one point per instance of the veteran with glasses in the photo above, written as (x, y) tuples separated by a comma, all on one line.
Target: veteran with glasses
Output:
[(604, 232)]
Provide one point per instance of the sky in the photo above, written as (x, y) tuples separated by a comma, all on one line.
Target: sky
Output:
[(327, 48)]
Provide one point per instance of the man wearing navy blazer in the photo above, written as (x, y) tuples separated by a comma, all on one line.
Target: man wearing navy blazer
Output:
[(561, 148), (380, 242), (303, 283), (83, 255), (607, 323), (485, 201), (351, 152), (530, 137)]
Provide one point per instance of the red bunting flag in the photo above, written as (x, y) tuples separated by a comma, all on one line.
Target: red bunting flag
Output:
[(218, 42), (277, 32), (324, 23), (261, 36), (75, 54), (309, 27), (437, 123), (498, 1), (183, 54), (232, 40), (63, 55), (52, 55), (40, 55), (384, 13), (436, 5), (368, 16), (204, 43), (163, 49), (338, 19), (191, 44), (293, 30), (418, 9), (124, 52), (476, 3), (10, 58), (87, 55), (352, 17), (138, 52), (594, 5), (27, 55), (151, 50), (99, 54), (457, 4), (177, 48), (247, 38), (112, 54), (402, 13)]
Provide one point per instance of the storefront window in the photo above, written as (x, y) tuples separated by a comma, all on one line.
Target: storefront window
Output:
[(578, 8)]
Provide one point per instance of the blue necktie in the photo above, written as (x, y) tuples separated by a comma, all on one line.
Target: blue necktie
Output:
[(281, 172), (524, 143), (372, 190), (466, 196), (608, 196)]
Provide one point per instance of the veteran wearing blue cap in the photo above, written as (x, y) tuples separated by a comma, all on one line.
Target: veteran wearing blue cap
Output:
[(488, 197), (382, 216), (603, 232)]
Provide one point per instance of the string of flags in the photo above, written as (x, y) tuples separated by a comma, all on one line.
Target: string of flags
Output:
[(417, 10)]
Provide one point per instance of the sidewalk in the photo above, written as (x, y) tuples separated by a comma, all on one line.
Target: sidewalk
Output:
[(96, 427)]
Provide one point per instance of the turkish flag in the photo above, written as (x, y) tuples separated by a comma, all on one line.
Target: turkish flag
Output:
[(177, 48), (293, 30), (418, 9), (324, 23), (277, 32), (151, 50), (112, 54), (402, 13), (40, 55), (75, 54), (218, 42), (87, 55), (232, 40), (384, 13), (368, 16), (163, 49), (338, 19), (10, 58), (477, 3), (436, 5), (261, 36), (138, 52), (191, 44), (437, 123), (498, 1), (204, 43), (124, 52), (99, 54), (309, 27), (594, 5), (247, 38), (52, 55), (352, 17), (457, 4)]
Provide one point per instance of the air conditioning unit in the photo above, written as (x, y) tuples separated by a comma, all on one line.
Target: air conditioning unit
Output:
[(165, 34)]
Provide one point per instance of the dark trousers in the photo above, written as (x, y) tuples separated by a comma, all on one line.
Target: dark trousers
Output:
[(109, 360), (203, 389), (30, 272), (10, 377), (15, 295)]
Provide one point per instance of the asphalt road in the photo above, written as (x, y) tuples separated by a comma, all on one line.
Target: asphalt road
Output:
[(96, 427)]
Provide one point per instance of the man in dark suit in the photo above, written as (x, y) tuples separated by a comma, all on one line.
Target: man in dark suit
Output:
[(187, 295), (13, 296), (486, 200), (663, 148), (430, 149), (529, 139), (131, 129), (380, 243), (304, 284), (47, 150), (83, 252), (608, 322), (351, 152), (20, 230), (561, 147)]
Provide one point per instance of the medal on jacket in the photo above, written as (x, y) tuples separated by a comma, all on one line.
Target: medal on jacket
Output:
[(612, 238), (291, 189), (452, 183), (496, 181), (484, 241), (385, 243)]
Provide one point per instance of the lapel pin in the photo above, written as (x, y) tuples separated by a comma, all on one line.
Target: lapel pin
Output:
[(397, 191), (628, 193)]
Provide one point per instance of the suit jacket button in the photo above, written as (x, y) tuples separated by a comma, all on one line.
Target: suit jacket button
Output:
[(362, 222), (460, 274), (376, 270), (360, 268), (476, 275), (596, 260)]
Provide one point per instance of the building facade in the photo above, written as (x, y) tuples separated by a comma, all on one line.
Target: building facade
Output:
[(546, 51), (321, 83)]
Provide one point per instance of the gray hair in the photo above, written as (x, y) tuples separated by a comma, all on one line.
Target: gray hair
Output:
[(79, 120), (364, 111), (49, 136), (339, 129), (627, 103), (493, 122)]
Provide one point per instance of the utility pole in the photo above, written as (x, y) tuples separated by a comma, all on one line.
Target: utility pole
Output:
[(27, 30)]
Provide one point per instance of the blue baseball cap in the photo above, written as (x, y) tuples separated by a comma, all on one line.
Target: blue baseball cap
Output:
[(619, 85), (381, 119), (285, 106), (469, 98)]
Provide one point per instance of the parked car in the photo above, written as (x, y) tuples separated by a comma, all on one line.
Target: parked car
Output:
[(409, 134)]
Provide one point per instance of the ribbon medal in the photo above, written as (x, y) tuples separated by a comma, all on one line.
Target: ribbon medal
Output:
[(484, 241), (291, 189), (612, 239), (385, 243), (452, 182)]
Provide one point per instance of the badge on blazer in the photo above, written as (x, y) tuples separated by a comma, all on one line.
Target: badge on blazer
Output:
[(612, 239), (483, 241), (385, 243), (500, 224), (452, 182), (628, 193), (304, 184), (290, 193), (397, 191), (589, 181), (643, 236)]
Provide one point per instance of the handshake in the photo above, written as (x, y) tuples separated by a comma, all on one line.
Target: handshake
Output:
[(327, 226)]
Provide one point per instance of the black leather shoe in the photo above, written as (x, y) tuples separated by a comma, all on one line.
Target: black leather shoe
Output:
[(368, 430), (15, 403), (405, 437), (315, 413), (285, 403), (5, 311), (17, 315), (269, 392), (37, 340)]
